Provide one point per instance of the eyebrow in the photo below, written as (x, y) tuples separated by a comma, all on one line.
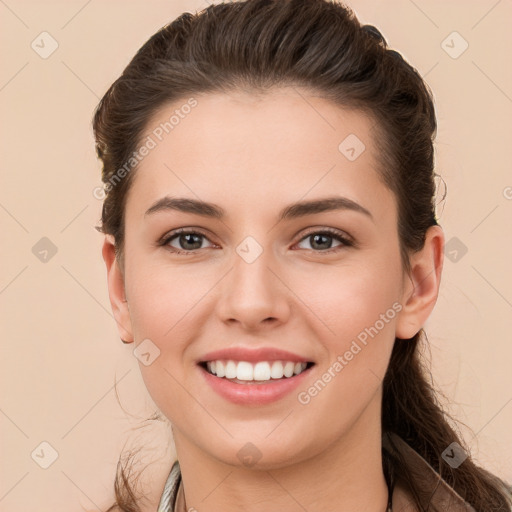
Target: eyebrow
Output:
[(293, 211)]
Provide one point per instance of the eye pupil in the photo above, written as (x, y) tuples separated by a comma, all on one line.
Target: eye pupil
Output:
[(184, 238), (321, 236)]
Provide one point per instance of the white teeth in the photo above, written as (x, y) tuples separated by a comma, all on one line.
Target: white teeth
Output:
[(276, 371), (261, 371), (231, 370), (220, 369), (288, 369), (244, 371)]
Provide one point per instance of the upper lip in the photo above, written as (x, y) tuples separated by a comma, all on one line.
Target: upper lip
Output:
[(253, 355)]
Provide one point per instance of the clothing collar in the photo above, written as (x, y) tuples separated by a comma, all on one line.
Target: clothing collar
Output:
[(168, 499), (436, 495)]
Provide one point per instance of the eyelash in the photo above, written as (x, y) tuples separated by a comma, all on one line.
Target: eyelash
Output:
[(332, 233)]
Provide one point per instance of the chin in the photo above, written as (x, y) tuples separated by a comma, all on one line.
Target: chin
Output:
[(256, 454)]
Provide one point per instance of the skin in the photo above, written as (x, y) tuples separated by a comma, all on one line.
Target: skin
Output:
[(253, 155)]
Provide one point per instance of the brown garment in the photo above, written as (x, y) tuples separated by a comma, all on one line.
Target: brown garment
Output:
[(437, 495)]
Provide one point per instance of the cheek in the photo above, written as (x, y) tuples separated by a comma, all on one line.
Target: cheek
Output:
[(360, 306), (161, 297), (346, 386), (161, 303), (365, 310), (353, 299)]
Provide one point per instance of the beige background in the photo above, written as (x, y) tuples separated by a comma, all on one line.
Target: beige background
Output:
[(60, 350)]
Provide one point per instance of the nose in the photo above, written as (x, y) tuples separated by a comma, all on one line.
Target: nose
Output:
[(253, 294)]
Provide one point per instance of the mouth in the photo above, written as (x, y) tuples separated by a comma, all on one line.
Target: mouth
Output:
[(259, 372), (254, 376)]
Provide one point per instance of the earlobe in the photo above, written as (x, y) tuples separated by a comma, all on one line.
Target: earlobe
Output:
[(422, 285), (116, 290)]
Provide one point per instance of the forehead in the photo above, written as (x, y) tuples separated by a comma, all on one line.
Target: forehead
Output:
[(254, 151)]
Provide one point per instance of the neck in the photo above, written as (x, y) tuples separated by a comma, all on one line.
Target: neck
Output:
[(347, 476)]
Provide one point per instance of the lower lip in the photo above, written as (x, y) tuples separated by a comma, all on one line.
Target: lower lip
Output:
[(254, 393)]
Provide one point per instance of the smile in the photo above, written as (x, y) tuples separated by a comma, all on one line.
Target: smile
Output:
[(261, 371), (254, 384)]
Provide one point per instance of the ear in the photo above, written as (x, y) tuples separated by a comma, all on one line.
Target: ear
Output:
[(421, 287), (116, 291)]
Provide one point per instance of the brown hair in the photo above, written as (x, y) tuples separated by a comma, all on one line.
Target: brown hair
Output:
[(318, 45)]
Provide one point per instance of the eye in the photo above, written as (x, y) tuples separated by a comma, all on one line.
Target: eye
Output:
[(188, 240), (321, 241)]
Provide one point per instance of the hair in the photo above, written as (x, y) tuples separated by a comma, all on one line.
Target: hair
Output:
[(320, 46)]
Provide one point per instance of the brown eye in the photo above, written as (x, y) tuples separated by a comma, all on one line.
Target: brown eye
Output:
[(321, 241), (187, 241)]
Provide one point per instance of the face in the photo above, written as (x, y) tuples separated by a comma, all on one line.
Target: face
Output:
[(325, 285)]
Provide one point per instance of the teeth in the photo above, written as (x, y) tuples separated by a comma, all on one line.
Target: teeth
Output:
[(261, 371), (230, 370), (276, 372), (219, 370), (244, 371), (288, 369)]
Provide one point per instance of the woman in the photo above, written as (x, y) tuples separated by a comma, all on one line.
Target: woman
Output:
[(293, 151)]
